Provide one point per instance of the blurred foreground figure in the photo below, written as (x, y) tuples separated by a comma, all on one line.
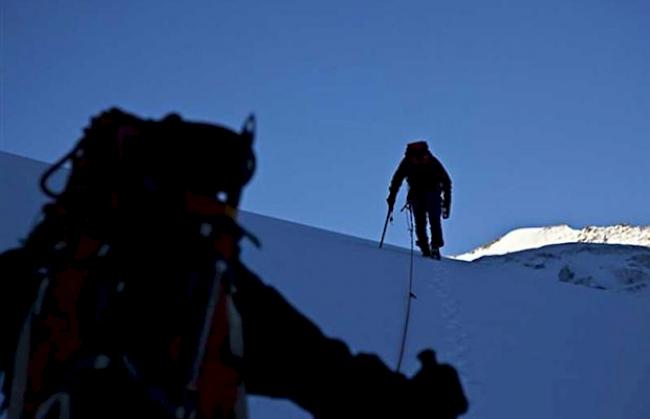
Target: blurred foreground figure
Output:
[(129, 299), (429, 195)]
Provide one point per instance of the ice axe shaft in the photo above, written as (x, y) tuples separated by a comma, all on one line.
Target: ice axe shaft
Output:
[(389, 217)]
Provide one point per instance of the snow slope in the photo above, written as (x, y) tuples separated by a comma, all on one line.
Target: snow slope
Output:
[(535, 237), (526, 344)]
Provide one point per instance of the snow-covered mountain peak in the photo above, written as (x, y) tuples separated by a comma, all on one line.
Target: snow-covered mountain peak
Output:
[(536, 237)]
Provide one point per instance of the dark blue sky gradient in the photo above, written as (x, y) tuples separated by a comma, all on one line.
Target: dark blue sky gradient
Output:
[(539, 110)]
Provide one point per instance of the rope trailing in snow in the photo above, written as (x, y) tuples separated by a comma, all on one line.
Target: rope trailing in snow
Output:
[(409, 221)]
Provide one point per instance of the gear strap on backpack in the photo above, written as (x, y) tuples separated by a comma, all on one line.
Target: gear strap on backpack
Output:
[(134, 257)]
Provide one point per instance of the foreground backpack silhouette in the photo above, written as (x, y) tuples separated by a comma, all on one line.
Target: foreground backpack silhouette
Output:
[(429, 195), (129, 298)]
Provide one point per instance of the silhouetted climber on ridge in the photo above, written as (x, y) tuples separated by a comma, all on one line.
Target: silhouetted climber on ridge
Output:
[(429, 194), (129, 298)]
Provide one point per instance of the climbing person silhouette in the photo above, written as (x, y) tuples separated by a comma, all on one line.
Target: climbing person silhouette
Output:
[(429, 194)]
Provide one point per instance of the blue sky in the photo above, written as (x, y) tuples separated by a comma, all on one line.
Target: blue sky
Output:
[(539, 110)]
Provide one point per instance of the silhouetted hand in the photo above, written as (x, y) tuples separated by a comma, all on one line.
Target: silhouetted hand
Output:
[(436, 388)]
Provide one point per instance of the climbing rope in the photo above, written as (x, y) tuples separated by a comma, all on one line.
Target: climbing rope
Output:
[(409, 221)]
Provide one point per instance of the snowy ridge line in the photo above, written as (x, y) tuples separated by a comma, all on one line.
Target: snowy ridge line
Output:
[(244, 213), (536, 237)]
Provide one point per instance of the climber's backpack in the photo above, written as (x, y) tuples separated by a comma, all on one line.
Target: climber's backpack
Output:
[(134, 258)]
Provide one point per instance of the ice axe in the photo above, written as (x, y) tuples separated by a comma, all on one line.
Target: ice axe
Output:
[(389, 218)]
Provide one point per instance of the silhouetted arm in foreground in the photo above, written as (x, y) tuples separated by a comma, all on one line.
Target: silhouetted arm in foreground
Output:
[(287, 356)]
